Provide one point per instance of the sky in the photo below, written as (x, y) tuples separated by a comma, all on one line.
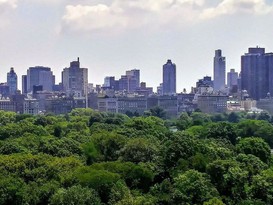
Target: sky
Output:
[(112, 36)]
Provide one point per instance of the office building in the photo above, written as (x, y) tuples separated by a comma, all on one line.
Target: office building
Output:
[(40, 75), (24, 84), (109, 83), (4, 90), (257, 73), (134, 74), (169, 78), (211, 103), (232, 78), (12, 81), (75, 79), (219, 71)]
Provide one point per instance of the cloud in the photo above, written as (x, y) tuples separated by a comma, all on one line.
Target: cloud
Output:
[(121, 14), (7, 5), (229, 7)]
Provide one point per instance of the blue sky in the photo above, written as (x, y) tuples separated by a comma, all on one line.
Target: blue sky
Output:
[(112, 36)]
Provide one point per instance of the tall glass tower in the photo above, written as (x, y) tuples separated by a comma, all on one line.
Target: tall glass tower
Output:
[(219, 71), (12, 81), (169, 78)]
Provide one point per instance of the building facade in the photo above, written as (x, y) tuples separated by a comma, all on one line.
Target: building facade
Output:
[(75, 79), (232, 78), (40, 75), (257, 73), (12, 81), (219, 71), (169, 78), (212, 103)]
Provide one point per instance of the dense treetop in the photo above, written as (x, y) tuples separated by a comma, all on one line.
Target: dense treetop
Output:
[(87, 157)]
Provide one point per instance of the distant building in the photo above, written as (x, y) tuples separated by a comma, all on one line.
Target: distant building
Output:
[(185, 102), (169, 78), (75, 80), (31, 106), (109, 83), (24, 84), (12, 81), (144, 90), (4, 90), (40, 75), (212, 103), (257, 73), (130, 81), (232, 78), (205, 82), (135, 74), (169, 105), (219, 71), (7, 105)]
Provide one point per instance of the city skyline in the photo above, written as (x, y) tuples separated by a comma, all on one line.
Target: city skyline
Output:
[(186, 31)]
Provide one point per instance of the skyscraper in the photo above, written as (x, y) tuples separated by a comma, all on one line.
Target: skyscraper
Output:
[(219, 71), (75, 79), (257, 73), (169, 78), (130, 82), (232, 78), (12, 81), (24, 84), (40, 75)]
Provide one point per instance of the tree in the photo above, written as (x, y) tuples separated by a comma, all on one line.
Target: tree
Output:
[(158, 112), (75, 195), (184, 121), (255, 146), (179, 146), (214, 201), (199, 118), (234, 117), (264, 115), (221, 130), (139, 150), (229, 179), (100, 180), (109, 145), (193, 187)]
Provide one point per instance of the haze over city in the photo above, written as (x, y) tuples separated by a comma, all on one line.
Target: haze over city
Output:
[(112, 36)]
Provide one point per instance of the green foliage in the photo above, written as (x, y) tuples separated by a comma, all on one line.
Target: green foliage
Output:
[(221, 130), (199, 118), (139, 150), (179, 146), (184, 121), (255, 146), (193, 187), (158, 112), (75, 195), (214, 201), (91, 157)]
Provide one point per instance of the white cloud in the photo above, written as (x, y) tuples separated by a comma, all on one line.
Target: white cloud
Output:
[(5, 7), (122, 14), (7, 4), (130, 14), (97, 17), (229, 7)]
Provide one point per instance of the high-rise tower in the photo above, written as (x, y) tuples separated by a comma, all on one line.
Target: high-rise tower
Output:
[(169, 78), (219, 71), (257, 73), (75, 79), (232, 78), (12, 81), (40, 75)]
